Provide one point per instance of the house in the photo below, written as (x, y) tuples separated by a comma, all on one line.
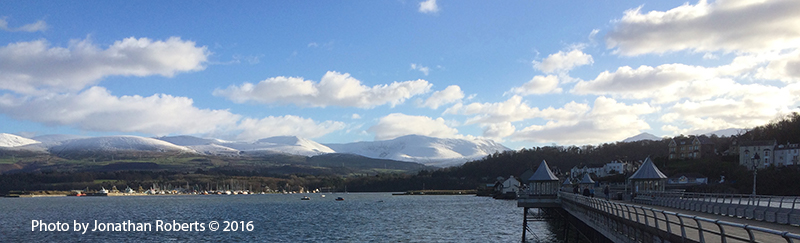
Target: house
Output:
[(617, 167), (598, 170), (749, 149), (687, 179), (787, 154), (611, 168), (510, 185), (692, 147)]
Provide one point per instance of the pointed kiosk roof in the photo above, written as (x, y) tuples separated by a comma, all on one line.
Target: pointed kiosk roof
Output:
[(543, 173), (567, 182), (587, 179), (648, 171)]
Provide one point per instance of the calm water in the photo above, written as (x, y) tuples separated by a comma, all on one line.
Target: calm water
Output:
[(362, 217)]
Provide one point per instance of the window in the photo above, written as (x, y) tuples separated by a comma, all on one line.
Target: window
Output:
[(766, 153)]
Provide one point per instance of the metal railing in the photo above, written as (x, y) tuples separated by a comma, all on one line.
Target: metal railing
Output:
[(774, 209), (687, 227)]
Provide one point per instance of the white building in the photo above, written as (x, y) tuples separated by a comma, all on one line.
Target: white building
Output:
[(787, 154), (511, 185), (769, 154), (749, 149), (602, 171)]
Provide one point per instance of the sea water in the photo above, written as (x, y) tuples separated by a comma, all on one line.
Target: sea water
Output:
[(361, 217)]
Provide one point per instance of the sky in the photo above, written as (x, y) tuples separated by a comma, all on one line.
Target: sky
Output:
[(522, 73)]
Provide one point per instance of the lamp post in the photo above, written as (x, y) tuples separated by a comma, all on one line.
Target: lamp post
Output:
[(755, 171)]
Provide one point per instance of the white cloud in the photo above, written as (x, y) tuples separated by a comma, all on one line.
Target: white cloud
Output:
[(252, 129), (355, 116), (498, 131), (513, 110), (562, 61), (425, 70), (334, 89), (643, 81), (32, 27), (742, 106), (449, 95), (34, 67), (95, 109), (396, 125), (510, 110), (538, 85), (784, 67), (608, 120), (729, 26), (428, 7)]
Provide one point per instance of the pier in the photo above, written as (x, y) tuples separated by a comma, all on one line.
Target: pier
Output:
[(653, 215)]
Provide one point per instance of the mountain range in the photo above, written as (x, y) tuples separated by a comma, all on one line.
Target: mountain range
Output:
[(429, 151)]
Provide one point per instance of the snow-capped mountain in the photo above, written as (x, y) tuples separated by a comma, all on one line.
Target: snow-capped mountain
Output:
[(11, 140), (642, 136), (55, 139), (441, 152), (281, 144), (412, 148), (117, 143)]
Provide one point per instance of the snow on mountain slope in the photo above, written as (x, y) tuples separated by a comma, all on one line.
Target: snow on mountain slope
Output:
[(118, 143), (281, 144), (440, 152), (191, 141), (11, 140), (640, 137), (55, 139)]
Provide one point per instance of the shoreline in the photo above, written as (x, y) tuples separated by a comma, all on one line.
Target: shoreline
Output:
[(437, 192)]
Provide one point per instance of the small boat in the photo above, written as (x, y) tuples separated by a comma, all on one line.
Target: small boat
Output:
[(339, 199), (305, 198)]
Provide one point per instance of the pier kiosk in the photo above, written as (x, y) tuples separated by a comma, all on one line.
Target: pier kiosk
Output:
[(648, 178), (542, 193)]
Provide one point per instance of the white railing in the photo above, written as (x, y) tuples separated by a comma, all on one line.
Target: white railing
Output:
[(774, 209), (687, 227)]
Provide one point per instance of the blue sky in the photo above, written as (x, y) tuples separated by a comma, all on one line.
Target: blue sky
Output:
[(524, 73)]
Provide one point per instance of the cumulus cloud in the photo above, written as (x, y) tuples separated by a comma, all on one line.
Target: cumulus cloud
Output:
[(729, 26), (449, 95), (510, 110), (498, 131), (562, 61), (742, 106), (32, 27), (425, 70), (334, 89), (95, 109), (428, 7), (35, 67), (608, 120), (397, 125), (642, 81), (252, 129), (538, 85), (784, 67)]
